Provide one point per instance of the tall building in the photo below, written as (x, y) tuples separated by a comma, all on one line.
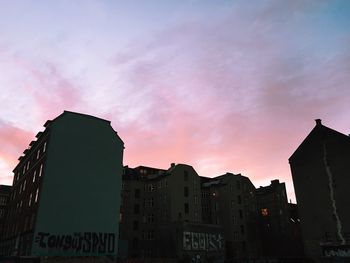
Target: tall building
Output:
[(320, 169), (229, 201), (161, 215), (5, 191), (66, 189), (278, 222)]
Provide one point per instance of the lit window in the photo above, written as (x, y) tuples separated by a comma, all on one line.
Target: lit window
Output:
[(24, 185), (36, 195), (44, 148), (34, 175), (38, 154), (30, 199), (264, 212), (41, 170)]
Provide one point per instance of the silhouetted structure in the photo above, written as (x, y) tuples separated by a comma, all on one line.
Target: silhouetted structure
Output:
[(229, 201), (161, 215), (66, 191), (5, 191), (320, 168), (278, 229)]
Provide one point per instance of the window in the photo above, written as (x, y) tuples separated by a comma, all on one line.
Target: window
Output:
[(242, 229), (240, 213), (264, 212), (38, 154), (2, 200), (151, 235), (136, 225), (44, 147), (41, 170), (233, 220), (151, 202), (186, 208), (30, 200), (150, 218), (238, 183), (232, 204), (136, 208), (34, 175), (186, 191), (195, 200), (24, 185), (185, 176), (239, 199), (36, 195), (137, 193)]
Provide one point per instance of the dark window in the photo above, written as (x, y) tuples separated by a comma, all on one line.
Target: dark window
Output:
[(186, 208), (239, 199), (242, 229), (185, 175), (136, 208), (238, 185), (136, 225), (186, 191), (240, 213), (137, 193)]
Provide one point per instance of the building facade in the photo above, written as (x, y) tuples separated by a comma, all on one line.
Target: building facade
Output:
[(161, 215), (229, 201), (320, 169), (5, 191), (66, 189), (278, 222)]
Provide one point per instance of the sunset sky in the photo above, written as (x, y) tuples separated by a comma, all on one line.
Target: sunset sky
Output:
[(220, 85)]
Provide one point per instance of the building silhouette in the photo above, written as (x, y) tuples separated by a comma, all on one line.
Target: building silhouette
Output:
[(320, 169), (65, 197), (229, 201), (161, 215), (279, 224), (5, 191), (72, 197)]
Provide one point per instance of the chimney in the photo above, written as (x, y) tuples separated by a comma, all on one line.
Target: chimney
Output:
[(172, 165), (318, 122)]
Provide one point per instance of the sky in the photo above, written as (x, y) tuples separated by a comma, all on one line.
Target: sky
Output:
[(225, 86)]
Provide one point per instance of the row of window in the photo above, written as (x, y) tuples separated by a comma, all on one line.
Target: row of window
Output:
[(17, 208), (26, 166), (37, 173)]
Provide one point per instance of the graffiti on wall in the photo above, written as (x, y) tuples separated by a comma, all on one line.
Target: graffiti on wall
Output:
[(87, 242), (202, 241)]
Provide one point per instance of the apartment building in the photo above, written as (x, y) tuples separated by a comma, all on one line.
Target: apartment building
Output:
[(229, 201), (161, 215), (65, 196), (5, 191), (320, 169), (279, 224)]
